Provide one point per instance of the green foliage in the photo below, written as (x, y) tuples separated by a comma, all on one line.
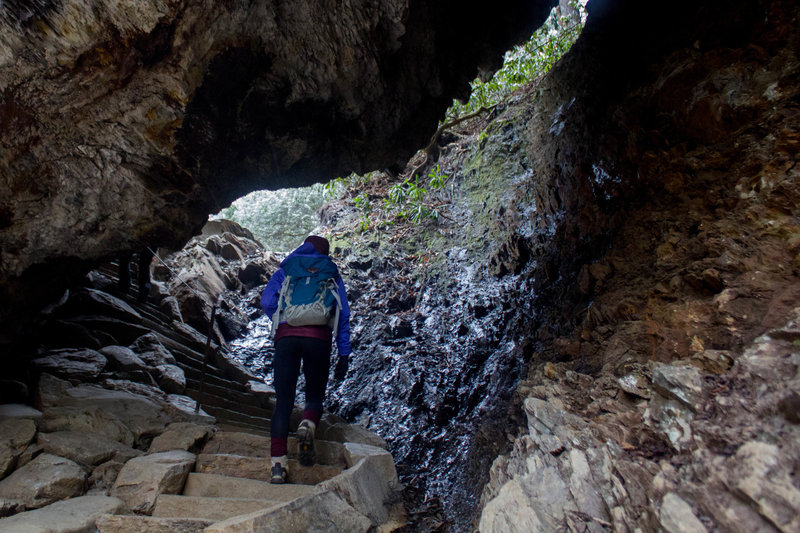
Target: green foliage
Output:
[(279, 219), (526, 62)]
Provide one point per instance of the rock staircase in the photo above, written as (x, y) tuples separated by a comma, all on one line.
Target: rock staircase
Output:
[(350, 489), (226, 488), (228, 392)]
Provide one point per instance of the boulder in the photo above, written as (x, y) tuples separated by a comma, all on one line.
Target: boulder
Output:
[(15, 435), (103, 476), (143, 478), (44, 480), (170, 378), (511, 511), (123, 358), (85, 447), (151, 351), (120, 415), (681, 383), (762, 474), (73, 364), (341, 431), (69, 516), (181, 436), (676, 516), (365, 488)]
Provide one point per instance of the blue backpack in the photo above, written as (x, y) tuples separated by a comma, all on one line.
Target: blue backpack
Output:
[(309, 294)]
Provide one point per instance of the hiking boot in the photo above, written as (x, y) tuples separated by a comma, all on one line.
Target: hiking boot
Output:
[(279, 472), (305, 442)]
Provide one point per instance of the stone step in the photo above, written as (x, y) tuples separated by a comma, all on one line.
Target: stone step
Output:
[(233, 417), (214, 486), (174, 506), (249, 445), (232, 400), (233, 428), (150, 524), (260, 468)]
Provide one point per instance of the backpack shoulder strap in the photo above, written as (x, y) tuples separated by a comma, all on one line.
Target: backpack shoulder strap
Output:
[(276, 317)]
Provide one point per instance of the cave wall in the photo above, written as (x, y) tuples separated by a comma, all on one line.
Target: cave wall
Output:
[(124, 124), (663, 358)]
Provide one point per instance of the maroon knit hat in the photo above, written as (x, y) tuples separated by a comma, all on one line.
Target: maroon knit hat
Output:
[(320, 243)]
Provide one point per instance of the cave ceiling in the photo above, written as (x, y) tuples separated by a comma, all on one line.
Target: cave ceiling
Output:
[(124, 123)]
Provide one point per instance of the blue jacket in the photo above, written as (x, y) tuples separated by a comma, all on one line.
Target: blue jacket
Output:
[(269, 299)]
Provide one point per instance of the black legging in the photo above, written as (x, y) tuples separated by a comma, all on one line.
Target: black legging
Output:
[(316, 357)]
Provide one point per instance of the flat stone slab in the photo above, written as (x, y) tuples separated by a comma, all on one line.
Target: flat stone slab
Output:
[(142, 479), (149, 524), (321, 511), (68, 516), (85, 447), (174, 506), (214, 486)]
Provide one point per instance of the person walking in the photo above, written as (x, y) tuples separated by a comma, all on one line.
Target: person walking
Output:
[(303, 337)]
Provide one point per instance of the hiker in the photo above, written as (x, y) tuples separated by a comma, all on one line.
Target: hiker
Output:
[(303, 333)]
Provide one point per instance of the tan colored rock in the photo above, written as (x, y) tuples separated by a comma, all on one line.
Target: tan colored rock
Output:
[(175, 506), (365, 488), (15, 435), (43, 481), (181, 436), (103, 476), (384, 461), (236, 443), (323, 511), (69, 516), (143, 478), (214, 486), (512, 511), (344, 432), (761, 475), (120, 415), (150, 524), (87, 419), (85, 447), (676, 516), (234, 466)]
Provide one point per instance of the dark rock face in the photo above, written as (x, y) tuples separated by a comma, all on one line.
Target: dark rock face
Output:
[(126, 125)]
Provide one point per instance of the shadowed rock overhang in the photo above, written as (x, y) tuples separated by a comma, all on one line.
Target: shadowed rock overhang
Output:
[(123, 124)]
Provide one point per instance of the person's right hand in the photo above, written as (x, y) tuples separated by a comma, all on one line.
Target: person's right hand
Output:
[(340, 371)]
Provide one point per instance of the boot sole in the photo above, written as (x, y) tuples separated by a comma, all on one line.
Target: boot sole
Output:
[(305, 444)]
